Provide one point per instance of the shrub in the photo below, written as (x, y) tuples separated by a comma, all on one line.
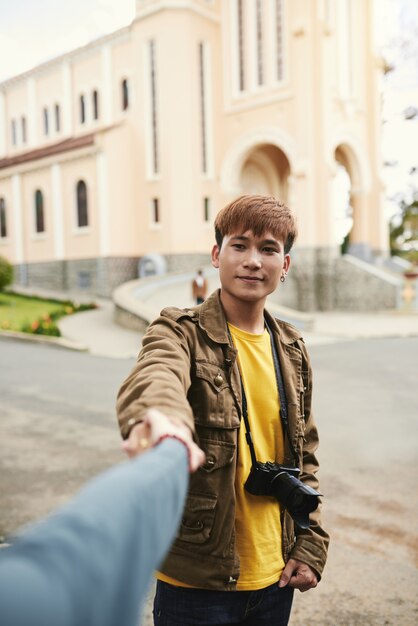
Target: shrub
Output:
[(6, 273), (42, 326)]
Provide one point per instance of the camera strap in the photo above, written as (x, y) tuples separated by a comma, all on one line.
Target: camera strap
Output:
[(282, 397)]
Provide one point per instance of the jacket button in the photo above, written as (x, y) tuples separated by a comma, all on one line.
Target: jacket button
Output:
[(218, 380)]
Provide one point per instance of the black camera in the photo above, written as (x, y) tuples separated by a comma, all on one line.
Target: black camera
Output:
[(272, 479)]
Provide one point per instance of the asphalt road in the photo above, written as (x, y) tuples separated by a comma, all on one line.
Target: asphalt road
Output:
[(58, 428)]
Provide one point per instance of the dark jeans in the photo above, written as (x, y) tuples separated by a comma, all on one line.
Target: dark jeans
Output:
[(179, 606)]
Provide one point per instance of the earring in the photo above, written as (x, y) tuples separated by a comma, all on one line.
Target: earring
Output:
[(282, 278)]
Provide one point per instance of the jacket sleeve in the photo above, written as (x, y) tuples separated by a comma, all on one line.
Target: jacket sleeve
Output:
[(161, 376), (91, 562), (312, 543)]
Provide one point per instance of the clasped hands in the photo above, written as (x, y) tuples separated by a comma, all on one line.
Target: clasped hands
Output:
[(155, 427)]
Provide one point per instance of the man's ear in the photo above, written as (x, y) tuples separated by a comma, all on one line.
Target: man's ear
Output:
[(286, 263), (215, 255)]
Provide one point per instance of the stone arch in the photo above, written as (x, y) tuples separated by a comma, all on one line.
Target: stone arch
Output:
[(266, 171), (267, 156), (348, 154)]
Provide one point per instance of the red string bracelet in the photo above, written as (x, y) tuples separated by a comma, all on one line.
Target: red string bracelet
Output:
[(160, 439)]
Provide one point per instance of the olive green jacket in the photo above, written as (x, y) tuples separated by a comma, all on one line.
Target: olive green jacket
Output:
[(188, 369)]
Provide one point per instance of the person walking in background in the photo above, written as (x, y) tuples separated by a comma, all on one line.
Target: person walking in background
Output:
[(91, 562), (241, 380), (199, 287)]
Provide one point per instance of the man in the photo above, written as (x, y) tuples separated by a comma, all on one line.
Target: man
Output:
[(209, 367)]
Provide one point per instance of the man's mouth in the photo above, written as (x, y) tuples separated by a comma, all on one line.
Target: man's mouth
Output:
[(252, 279)]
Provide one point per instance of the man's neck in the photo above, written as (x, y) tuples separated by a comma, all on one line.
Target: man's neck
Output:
[(248, 316)]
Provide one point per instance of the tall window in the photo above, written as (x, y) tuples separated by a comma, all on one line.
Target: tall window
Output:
[(57, 118), (241, 67), (14, 138), (82, 110), (125, 94), (95, 105), (203, 107), (279, 40), (23, 126), (155, 210), (153, 80), (206, 209), (46, 121), (3, 219), (39, 212), (259, 22), (82, 208)]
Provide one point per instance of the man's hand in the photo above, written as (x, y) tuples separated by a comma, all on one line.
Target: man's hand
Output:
[(157, 426), (298, 575)]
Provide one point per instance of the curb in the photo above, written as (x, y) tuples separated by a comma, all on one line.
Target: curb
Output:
[(55, 342)]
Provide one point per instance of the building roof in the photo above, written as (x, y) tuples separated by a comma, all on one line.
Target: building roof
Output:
[(73, 143)]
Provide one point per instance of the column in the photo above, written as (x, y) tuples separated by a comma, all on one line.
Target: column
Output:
[(3, 147), (103, 207), (67, 100), (57, 211), (33, 120), (107, 91)]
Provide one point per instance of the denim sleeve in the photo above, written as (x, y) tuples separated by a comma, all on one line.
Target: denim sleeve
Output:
[(92, 561)]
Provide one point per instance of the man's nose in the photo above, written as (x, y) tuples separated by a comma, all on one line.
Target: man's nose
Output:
[(253, 259)]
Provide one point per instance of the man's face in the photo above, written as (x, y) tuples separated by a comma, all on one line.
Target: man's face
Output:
[(250, 267)]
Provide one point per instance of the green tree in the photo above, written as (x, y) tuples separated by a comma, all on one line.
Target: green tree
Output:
[(6, 273), (404, 231)]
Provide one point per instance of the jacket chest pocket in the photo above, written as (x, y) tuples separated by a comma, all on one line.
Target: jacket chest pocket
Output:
[(211, 398)]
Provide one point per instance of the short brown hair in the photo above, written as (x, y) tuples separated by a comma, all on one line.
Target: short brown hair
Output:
[(258, 214)]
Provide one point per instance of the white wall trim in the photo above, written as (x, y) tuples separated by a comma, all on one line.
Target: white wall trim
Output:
[(18, 222), (107, 82), (3, 144), (67, 126), (103, 206), (32, 123), (57, 212)]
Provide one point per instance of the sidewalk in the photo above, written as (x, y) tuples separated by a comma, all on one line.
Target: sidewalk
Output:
[(97, 330)]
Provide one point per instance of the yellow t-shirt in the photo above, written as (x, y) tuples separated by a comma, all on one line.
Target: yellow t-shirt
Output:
[(257, 518)]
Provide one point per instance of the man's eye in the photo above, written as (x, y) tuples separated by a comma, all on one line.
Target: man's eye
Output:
[(238, 246), (269, 250)]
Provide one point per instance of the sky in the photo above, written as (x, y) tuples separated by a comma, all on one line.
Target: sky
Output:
[(33, 31)]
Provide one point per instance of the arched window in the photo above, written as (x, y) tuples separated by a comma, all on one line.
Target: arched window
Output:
[(39, 212), (3, 219), (125, 94), (82, 110), (82, 208), (95, 105)]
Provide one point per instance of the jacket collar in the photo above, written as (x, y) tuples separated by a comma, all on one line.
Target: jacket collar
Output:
[(213, 321)]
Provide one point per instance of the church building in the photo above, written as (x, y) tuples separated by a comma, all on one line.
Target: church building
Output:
[(126, 148)]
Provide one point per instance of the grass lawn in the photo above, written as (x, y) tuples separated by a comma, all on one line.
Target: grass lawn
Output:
[(21, 312)]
